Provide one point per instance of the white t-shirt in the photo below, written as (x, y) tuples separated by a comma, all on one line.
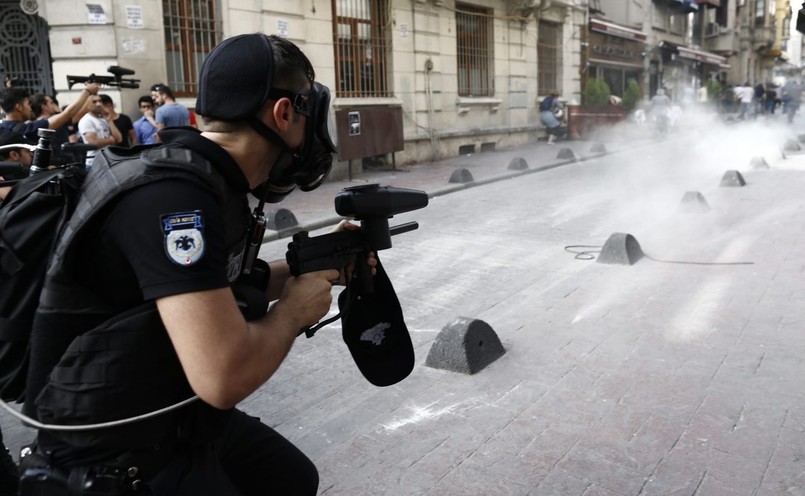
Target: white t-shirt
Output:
[(91, 124), (745, 93)]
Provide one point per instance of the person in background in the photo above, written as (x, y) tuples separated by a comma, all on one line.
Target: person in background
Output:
[(16, 103), (169, 113), (122, 121), (46, 106), (13, 148), (550, 113), (661, 110), (98, 129), (145, 128), (745, 94), (770, 101)]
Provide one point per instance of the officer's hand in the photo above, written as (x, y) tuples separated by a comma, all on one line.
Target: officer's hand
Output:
[(307, 298), (371, 260)]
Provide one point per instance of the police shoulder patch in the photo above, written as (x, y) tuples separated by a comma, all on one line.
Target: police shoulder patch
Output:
[(184, 236)]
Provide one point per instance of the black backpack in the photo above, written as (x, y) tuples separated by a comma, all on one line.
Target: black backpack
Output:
[(39, 218)]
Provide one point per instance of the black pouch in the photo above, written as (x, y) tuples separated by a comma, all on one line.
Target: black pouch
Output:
[(374, 329)]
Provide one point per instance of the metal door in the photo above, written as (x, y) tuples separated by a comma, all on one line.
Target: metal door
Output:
[(25, 48)]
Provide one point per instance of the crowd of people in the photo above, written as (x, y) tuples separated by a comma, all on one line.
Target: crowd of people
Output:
[(750, 101), (91, 120)]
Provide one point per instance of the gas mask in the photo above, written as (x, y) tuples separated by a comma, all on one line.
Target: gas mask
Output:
[(308, 166)]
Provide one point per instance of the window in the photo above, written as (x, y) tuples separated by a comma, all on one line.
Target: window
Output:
[(191, 30), (722, 14), (678, 23), (360, 40), (549, 57), (474, 50), (760, 12)]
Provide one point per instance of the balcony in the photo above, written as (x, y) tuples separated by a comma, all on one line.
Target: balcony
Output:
[(763, 37), (680, 6)]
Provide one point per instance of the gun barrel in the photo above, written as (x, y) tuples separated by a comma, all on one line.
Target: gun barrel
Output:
[(403, 228)]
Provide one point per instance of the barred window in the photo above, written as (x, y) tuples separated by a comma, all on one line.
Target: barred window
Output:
[(474, 50), (191, 31), (549, 57), (360, 40)]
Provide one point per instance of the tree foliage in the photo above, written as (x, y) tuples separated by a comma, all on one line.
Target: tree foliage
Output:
[(596, 92)]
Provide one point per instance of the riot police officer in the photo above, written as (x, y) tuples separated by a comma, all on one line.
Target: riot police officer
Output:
[(146, 303)]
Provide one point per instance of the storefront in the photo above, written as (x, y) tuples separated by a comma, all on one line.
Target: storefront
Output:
[(615, 55), (685, 69)]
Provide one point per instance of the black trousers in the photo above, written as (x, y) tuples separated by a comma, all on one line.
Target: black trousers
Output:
[(8, 471), (247, 459)]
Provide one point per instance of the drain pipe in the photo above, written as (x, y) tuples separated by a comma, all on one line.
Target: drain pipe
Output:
[(429, 94)]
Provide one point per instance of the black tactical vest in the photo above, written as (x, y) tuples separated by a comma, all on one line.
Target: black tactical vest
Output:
[(114, 368)]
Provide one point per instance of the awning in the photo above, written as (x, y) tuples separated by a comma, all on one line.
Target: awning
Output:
[(626, 65), (711, 3), (702, 56), (686, 6), (616, 30)]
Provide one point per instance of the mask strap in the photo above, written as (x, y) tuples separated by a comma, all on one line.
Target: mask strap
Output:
[(265, 131)]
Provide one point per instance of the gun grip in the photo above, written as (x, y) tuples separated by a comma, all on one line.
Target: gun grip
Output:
[(364, 275)]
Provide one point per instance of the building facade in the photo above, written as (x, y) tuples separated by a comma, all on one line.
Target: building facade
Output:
[(425, 79), (459, 75)]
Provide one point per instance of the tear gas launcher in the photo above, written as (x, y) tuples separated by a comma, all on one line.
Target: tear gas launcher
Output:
[(373, 206)]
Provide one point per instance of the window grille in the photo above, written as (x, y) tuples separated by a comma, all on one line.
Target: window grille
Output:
[(360, 41), (191, 31), (474, 50), (549, 57)]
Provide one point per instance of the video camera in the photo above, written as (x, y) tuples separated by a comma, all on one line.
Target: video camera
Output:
[(116, 79)]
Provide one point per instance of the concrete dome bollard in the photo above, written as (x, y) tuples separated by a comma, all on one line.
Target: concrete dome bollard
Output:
[(792, 145), (620, 249), (598, 148), (758, 163), (566, 153), (518, 163), (732, 178), (461, 176), (693, 202), (280, 219), (466, 346)]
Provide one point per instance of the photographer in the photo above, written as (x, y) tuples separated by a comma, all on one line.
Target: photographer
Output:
[(149, 300), (13, 148)]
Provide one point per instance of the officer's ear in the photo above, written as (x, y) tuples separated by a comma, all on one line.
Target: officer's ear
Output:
[(282, 113)]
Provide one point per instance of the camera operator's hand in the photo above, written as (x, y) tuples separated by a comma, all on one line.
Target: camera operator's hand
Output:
[(371, 260), (306, 298), (92, 88)]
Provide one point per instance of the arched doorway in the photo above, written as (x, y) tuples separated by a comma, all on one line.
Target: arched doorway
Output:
[(25, 48)]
